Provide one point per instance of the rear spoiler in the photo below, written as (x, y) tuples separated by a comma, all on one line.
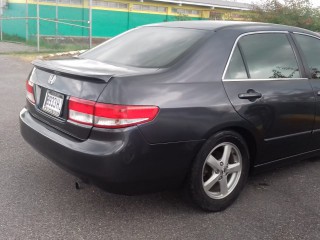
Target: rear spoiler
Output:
[(52, 67)]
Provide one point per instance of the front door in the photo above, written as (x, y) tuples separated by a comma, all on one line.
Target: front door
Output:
[(267, 87)]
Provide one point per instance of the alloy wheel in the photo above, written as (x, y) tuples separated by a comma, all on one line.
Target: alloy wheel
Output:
[(222, 170)]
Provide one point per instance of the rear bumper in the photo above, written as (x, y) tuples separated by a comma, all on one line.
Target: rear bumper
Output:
[(119, 161)]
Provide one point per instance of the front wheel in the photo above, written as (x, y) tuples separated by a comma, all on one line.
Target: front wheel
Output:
[(219, 171)]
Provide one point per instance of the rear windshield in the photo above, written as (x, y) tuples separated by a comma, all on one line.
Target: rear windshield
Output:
[(147, 47)]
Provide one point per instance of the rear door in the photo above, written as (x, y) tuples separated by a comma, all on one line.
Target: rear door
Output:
[(267, 87), (310, 50)]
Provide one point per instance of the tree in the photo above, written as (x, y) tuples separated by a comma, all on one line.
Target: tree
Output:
[(299, 13)]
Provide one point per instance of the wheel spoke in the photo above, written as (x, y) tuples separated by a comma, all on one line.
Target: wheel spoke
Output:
[(226, 154), (213, 163), (235, 167), (211, 181), (223, 186)]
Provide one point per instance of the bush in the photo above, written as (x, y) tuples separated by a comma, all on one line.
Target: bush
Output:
[(299, 13)]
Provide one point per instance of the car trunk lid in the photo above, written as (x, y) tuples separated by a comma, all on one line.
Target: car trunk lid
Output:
[(56, 81)]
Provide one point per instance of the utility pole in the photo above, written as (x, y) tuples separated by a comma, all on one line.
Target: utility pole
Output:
[(90, 23), (38, 27)]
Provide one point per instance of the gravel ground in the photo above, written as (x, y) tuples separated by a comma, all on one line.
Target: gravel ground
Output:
[(38, 200), (9, 47)]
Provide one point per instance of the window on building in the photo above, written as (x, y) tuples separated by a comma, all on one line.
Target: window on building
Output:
[(99, 3), (185, 11), (73, 2), (76, 2), (216, 15), (49, 1), (148, 8), (269, 55), (311, 49)]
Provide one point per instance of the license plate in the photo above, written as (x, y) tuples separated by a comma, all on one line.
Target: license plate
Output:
[(53, 103)]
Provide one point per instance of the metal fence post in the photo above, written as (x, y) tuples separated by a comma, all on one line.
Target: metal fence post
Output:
[(27, 21), (1, 13), (38, 27), (90, 23), (57, 16)]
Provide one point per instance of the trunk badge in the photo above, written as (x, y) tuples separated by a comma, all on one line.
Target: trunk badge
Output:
[(52, 79)]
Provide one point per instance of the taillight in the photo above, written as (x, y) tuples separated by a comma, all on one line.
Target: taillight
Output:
[(114, 116), (81, 111), (109, 115), (30, 93)]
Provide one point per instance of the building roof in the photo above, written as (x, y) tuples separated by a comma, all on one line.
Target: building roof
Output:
[(231, 4)]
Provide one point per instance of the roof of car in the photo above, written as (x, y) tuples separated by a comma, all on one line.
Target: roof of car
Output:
[(239, 25)]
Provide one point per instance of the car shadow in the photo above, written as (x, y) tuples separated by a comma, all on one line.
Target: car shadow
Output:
[(174, 202)]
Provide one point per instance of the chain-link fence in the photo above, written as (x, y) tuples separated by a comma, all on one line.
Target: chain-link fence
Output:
[(46, 26)]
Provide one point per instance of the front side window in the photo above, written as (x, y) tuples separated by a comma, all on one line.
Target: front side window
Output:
[(269, 55), (146, 47), (311, 49)]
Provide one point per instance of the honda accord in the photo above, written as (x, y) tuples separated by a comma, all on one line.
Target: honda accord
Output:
[(197, 104)]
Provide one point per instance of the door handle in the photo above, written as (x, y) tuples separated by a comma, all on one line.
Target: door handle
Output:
[(251, 95), (318, 93)]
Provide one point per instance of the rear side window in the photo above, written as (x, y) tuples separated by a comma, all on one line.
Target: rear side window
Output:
[(311, 49), (146, 47), (268, 56), (236, 69)]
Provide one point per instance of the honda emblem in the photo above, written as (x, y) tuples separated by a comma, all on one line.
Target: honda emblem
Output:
[(52, 79)]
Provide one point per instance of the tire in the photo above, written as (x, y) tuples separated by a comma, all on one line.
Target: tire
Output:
[(216, 180)]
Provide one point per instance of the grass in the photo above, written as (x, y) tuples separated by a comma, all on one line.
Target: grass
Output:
[(46, 55), (12, 38), (30, 56), (46, 45)]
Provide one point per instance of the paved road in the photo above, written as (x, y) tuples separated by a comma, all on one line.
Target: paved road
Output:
[(10, 47), (39, 201)]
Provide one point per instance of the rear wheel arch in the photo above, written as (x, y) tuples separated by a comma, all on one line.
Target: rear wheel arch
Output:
[(248, 135), (249, 138), (250, 141)]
